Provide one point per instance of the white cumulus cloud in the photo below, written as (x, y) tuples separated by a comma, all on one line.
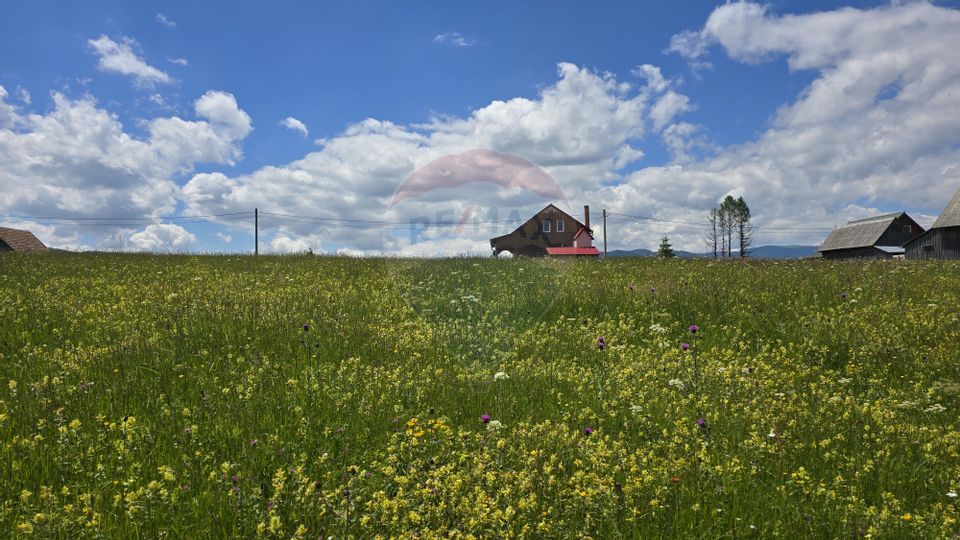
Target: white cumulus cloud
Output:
[(78, 161), (581, 130), (162, 238), (121, 58), (294, 124), (871, 133)]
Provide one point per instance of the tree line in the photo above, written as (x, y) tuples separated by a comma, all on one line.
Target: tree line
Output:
[(729, 223)]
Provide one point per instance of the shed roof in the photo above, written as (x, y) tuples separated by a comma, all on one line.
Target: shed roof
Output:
[(859, 233), (21, 240), (950, 217)]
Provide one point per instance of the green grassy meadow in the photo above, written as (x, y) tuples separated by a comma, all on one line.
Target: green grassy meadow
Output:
[(151, 396)]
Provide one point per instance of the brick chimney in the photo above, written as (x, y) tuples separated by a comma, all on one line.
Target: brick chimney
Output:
[(586, 216)]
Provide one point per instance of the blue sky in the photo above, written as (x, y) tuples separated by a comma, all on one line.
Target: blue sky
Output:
[(738, 92)]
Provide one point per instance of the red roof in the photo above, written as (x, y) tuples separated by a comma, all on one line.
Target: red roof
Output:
[(573, 251)]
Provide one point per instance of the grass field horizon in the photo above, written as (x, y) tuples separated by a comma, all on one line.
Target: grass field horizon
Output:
[(189, 396)]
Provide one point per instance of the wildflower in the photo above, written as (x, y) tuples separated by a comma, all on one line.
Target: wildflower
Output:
[(843, 295), (494, 425), (772, 435), (306, 327), (685, 346), (657, 329), (587, 431), (952, 494), (694, 328), (653, 290), (500, 376), (907, 517), (254, 442), (936, 407), (600, 343), (676, 383), (702, 422), (636, 409), (485, 419)]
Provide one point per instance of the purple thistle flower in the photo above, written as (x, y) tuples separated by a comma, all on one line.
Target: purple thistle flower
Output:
[(587, 431), (694, 329), (684, 346), (600, 343), (843, 295), (702, 422), (485, 419), (306, 327), (653, 290)]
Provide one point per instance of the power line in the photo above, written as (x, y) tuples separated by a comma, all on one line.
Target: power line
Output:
[(702, 226)]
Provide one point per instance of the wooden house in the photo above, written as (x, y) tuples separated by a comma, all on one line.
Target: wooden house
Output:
[(552, 232), (19, 240), (880, 237), (942, 241)]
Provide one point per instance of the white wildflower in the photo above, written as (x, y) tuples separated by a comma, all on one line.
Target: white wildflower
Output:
[(772, 435), (936, 407), (657, 329), (494, 425), (952, 494), (844, 380), (636, 409), (677, 383), (500, 376)]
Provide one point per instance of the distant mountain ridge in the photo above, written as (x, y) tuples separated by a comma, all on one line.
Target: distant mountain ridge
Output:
[(759, 252)]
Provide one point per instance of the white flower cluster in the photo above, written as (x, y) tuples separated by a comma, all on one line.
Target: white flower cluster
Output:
[(500, 376)]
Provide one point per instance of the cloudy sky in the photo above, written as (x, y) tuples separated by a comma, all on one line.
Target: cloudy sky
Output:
[(161, 126)]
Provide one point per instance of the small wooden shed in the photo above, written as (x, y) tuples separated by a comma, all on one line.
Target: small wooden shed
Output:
[(19, 240), (880, 237)]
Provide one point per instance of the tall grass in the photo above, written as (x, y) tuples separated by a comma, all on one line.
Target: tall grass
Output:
[(183, 396)]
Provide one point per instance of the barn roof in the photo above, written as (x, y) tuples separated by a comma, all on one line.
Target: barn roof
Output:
[(950, 217), (859, 233), (20, 240)]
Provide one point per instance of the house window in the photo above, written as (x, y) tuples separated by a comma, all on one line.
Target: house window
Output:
[(559, 225), (546, 225)]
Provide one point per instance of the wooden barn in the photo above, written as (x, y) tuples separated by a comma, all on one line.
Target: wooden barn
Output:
[(19, 240), (552, 232), (880, 237), (942, 241)]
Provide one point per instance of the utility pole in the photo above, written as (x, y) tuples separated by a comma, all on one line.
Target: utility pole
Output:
[(256, 231), (604, 233)]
